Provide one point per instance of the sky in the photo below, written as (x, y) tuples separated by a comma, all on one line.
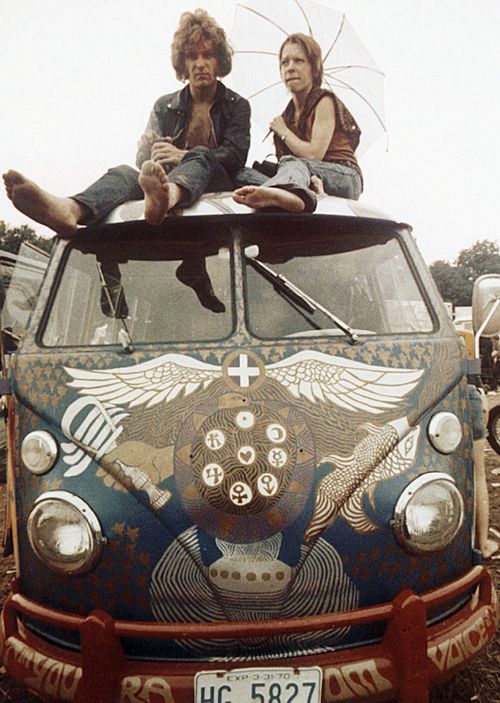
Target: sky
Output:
[(78, 79)]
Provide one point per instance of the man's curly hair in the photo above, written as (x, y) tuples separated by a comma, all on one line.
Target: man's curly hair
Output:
[(195, 27)]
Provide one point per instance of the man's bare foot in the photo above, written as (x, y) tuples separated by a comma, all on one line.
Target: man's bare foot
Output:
[(490, 548), (59, 214), (160, 195), (193, 273), (258, 197)]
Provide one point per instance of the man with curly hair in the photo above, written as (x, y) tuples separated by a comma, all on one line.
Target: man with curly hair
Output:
[(196, 140)]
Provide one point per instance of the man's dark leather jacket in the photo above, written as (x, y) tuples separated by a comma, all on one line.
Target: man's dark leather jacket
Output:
[(230, 115)]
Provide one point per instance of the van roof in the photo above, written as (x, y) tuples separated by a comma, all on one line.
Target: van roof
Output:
[(223, 204)]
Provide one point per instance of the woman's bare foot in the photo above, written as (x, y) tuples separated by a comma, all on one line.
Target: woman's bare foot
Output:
[(160, 195), (258, 197), (59, 214), (316, 185)]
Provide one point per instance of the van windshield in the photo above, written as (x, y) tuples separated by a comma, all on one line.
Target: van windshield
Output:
[(357, 273), (141, 289), (352, 277)]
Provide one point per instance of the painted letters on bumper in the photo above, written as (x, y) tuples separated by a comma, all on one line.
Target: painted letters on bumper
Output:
[(410, 658)]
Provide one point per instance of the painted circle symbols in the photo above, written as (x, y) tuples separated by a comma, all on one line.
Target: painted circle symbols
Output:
[(245, 420), (215, 439), (246, 455), (243, 370), (267, 485), (212, 474), (244, 469), (276, 433), (240, 493), (277, 457)]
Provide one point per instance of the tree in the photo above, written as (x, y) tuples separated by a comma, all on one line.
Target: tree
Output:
[(450, 282), (456, 281), (11, 238), (483, 257)]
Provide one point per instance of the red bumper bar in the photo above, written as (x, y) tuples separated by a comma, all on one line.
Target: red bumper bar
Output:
[(410, 658)]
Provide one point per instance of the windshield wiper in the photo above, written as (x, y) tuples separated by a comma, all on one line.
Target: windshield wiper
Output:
[(300, 297), (113, 303)]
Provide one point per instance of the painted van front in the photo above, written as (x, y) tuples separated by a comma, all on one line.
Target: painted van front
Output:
[(241, 466)]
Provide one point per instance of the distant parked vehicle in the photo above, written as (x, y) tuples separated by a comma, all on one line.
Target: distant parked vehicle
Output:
[(463, 324), (494, 428)]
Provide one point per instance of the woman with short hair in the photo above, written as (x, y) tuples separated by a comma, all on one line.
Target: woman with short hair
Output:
[(315, 138)]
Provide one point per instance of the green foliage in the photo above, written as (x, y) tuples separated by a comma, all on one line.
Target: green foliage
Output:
[(11, 238), (456, 281), (450, 282), (483, 257)]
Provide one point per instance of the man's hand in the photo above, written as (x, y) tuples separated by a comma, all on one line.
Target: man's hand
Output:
[(164, 152)]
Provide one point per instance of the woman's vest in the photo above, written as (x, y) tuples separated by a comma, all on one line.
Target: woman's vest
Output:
[(346, 134)]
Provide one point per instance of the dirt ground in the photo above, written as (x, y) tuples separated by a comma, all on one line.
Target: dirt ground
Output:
[(479, 683)]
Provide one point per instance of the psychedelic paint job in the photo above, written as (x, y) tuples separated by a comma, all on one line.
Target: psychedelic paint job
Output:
[(242, 481), (155, 476)]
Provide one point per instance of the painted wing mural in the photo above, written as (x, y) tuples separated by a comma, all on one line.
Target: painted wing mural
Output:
[(337, 487), (152, 382), (312, 375), (94, 419), (244, 457), (398, 461), (92, 422), (349, 384)]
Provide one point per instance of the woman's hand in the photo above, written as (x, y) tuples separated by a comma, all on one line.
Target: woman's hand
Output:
[(321, 133), (278, 126)]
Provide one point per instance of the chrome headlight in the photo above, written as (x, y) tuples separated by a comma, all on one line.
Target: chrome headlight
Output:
[(445, 432), (39, 451), (64, 532), (428, 514)]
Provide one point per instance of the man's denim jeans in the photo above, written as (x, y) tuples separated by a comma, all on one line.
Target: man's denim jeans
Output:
[(295, 174), (199, 172)]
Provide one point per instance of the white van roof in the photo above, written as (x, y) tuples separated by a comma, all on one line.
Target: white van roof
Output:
[(223, 204)]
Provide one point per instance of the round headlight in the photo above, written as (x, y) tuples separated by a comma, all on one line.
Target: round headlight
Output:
[(445, 432), (64, 532), (39, 451), (428, 514)]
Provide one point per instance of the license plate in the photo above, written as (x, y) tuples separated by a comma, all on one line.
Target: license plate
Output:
[(273, 685)]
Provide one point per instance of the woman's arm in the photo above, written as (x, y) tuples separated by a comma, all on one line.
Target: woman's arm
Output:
[(321, 133)]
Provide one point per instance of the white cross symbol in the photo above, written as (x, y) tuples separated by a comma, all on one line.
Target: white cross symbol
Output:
[(243, 371)]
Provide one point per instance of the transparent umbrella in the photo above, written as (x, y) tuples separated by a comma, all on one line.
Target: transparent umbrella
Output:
[(260, 27)]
